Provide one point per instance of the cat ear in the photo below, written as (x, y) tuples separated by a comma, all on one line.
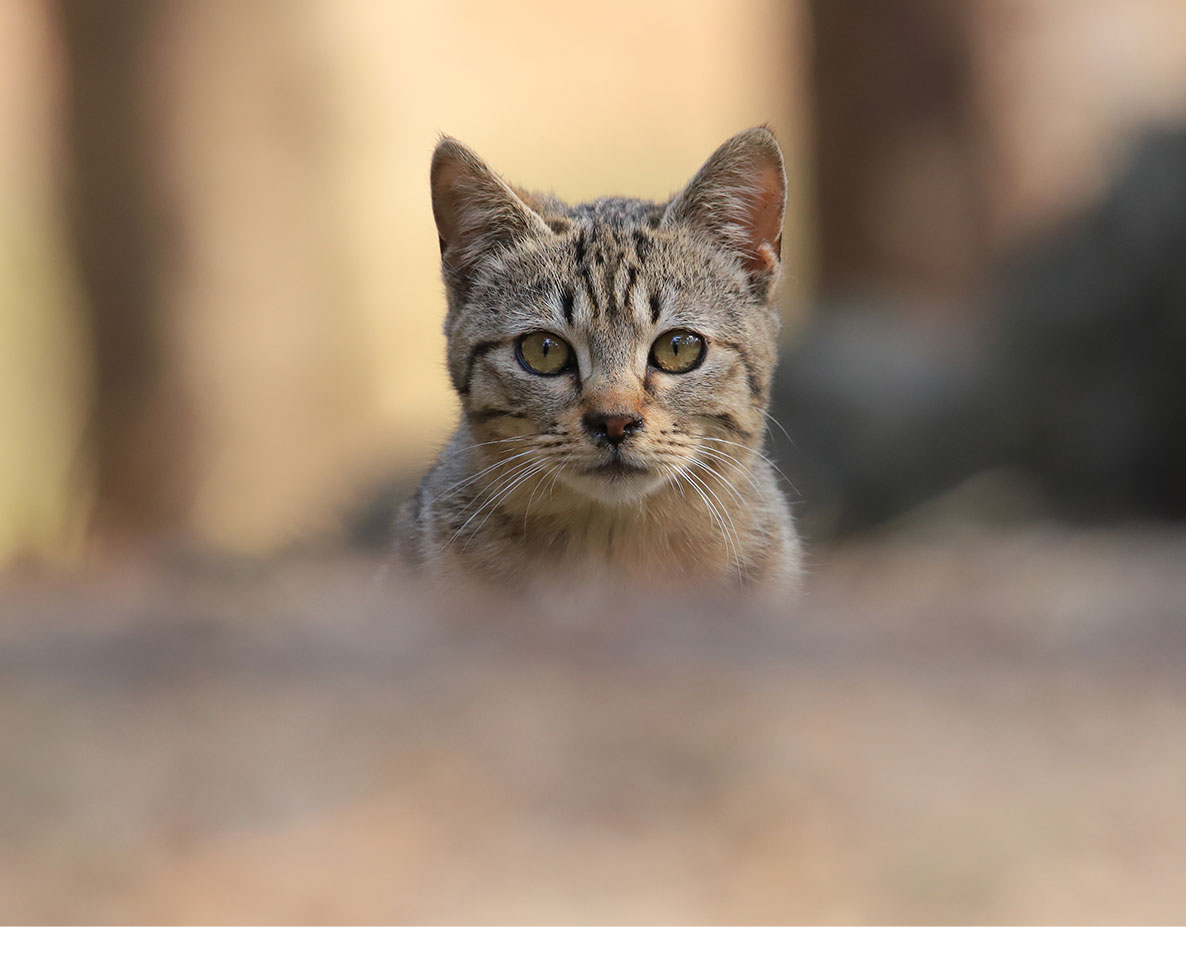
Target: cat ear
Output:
[(739, 198), (475, 210)]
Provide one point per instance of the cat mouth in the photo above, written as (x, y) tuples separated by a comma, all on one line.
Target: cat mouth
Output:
[(617, 467), (615, 480)]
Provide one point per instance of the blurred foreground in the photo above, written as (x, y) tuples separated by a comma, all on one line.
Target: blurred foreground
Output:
[(971, 728)]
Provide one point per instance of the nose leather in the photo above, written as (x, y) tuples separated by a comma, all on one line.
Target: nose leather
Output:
[(612, 428)]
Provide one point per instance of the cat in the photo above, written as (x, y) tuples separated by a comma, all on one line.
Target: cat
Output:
[(613, 361)]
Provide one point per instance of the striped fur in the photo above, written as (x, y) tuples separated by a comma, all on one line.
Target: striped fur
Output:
[(523, 491)]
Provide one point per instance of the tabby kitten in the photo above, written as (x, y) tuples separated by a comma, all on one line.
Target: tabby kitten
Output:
[(613, 361)]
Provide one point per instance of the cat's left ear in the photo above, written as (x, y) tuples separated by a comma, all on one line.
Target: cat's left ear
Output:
[(739, 198)]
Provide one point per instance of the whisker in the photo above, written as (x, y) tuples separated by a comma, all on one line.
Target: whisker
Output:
[(715, 454), (757, 454), (724, 511), (552, 487), (701, 488), (492, 498), (674, 468), (496, 441), (725, 456), (554, 470), (720, 523), (539, 464), (708, 468), (766, 415), (485, 491), (505, 475), (484, 471)]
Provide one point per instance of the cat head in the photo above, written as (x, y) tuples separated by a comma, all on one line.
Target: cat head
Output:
[(624, 339)]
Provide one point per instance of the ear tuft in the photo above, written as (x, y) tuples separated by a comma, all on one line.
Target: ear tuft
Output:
[(739, 199), (476, 212)]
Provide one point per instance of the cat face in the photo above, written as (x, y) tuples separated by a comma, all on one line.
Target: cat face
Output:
[(619, 346)]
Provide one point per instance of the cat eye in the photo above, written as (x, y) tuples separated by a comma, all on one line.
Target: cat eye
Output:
[(543, 353), (678, 351)]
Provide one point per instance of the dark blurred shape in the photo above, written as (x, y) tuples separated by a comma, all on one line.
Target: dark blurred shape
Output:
[(898, 156), (1079, 384), (137, 429), (369, 522), (1090, 369), (878, 417)]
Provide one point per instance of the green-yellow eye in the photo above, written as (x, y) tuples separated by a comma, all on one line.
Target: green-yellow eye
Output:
[(543, 353), (678, 351)]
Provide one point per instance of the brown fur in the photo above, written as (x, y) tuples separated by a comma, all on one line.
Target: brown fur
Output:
[(527, 487)]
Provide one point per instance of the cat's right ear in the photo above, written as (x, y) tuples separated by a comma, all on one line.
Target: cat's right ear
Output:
[(476, 212)]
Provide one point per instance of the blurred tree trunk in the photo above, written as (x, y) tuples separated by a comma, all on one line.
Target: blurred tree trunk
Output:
[(210, 161), (901, 203), (138, 429)]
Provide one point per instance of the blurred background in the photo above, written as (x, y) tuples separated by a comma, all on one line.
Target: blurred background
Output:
[(220, 344)]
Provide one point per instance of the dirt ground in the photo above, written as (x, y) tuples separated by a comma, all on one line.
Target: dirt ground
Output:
[(979, 728)]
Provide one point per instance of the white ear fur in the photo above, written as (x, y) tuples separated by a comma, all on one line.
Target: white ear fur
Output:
[(475, 210), (739, 198)]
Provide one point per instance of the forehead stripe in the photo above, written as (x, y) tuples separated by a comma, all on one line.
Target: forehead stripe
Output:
[(642, 245), (591, 290), (656, 307), (631, 279)]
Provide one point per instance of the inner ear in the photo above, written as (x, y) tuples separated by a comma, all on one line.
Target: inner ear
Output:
[(762, 224)]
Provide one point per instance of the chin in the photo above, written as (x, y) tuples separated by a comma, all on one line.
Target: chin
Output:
[(612, 486)]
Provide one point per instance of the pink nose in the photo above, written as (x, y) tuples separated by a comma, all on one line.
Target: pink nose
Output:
[(612, 428)]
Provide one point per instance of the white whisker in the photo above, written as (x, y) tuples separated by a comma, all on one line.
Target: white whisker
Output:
[(712, 471), (766, 415), (483, 472), (495, 501), (553, 471), (724, 511), (733, 461), (486, 490), (757, 454), (702, 490)]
